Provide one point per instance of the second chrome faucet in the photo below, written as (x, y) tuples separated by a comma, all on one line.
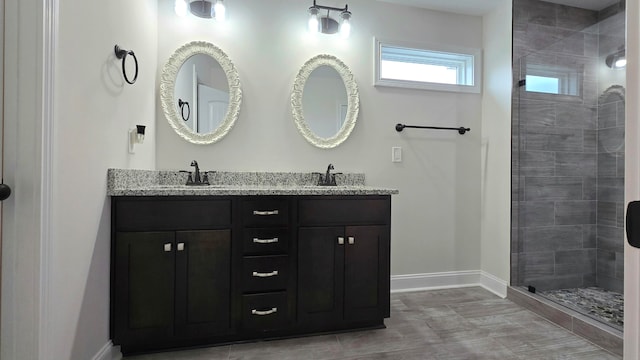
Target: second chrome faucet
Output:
[(328, 179), (198, 178)]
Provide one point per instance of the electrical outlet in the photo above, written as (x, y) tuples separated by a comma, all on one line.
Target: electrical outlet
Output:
[(396, 154)]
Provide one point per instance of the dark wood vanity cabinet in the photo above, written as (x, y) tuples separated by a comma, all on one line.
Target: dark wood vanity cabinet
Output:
[(200, 270), (342, 281), (344, 244), (172, 284)]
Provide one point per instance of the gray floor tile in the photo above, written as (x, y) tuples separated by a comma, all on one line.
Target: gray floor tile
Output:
[(451, 324)]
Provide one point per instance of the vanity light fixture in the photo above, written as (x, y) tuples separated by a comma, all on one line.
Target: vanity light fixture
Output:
[(207, 9), (617, 60), (326, 24)]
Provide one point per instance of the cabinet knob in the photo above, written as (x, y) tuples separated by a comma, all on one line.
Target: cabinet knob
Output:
[(352, 240), (265, 241), (340, 240), (180, 246), (264, 312), (167, 247)]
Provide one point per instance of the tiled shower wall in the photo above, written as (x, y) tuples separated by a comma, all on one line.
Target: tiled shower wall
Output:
[(567, 176)]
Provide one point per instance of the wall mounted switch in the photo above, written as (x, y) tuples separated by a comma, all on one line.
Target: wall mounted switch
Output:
[(396, 154)]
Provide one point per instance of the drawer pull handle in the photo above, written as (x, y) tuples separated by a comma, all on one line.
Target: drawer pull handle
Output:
[(180, 246), (265, 241), (265, 312), (263, 275), (352, 240), (265, 213), (167, 247), (340, 240)]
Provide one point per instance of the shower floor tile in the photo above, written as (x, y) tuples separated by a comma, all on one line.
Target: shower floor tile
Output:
[(606, 306)]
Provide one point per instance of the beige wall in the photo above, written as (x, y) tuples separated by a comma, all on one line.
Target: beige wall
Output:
[(94, 109), (435, 221), (496, 143)]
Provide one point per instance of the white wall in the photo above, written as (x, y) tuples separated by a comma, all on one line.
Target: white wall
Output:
[(94, 109), (436, 220), (496, 143)]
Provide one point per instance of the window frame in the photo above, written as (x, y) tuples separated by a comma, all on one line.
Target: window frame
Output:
[(423, 85)]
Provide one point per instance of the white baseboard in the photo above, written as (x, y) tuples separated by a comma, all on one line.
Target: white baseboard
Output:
[(494, 284), (448, 280), (108, 352)]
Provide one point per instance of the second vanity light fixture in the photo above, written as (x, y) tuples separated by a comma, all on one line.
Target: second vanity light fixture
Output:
[(208, 9), (326, 24)]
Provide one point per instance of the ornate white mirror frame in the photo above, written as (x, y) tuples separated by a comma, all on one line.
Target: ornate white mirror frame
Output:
[(169, 102), (353, 101)]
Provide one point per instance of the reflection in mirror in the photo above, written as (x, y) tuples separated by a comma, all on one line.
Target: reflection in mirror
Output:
[(201, 76), (203, 84), (325, 101)]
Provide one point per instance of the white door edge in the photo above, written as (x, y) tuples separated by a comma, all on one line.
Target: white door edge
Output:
[(632, 183)]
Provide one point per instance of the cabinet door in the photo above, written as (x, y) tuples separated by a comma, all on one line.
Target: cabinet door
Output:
[(203, 283), (366, 279), (144, 291), (320, 275)]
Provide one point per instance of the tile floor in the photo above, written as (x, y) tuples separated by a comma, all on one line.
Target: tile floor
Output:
[(464, 324)]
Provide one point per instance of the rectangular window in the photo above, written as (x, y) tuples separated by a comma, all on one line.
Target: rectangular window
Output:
[(421, 66), (553, 79)]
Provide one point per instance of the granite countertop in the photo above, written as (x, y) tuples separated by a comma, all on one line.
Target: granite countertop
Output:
[(126, 182)]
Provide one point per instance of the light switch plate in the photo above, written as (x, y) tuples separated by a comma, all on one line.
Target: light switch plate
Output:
[(396, 154)]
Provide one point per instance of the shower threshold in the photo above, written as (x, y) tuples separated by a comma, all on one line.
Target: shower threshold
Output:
[(604, 334), (600, 304)]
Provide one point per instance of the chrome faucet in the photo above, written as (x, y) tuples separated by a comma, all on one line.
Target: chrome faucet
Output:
[(327, 176), (329, 179), (199, 178), (196, 179)]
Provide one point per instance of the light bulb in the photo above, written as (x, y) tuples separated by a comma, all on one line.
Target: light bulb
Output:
[(180, 8), (620, 63), (345, 25), (345, 28), (314, 22), (220, 11)]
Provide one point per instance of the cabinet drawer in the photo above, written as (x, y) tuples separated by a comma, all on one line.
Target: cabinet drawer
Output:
[(265, 212), (264, 273), (374, 210), (265, 241), (170, 214), (265, 311)]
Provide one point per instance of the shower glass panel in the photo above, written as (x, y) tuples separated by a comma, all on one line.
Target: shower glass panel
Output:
[(568, 156)]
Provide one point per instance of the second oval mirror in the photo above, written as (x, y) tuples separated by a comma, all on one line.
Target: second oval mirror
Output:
[(325, 101)]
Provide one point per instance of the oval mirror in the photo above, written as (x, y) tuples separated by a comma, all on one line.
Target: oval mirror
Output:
[(200, 92), (325, 101)]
